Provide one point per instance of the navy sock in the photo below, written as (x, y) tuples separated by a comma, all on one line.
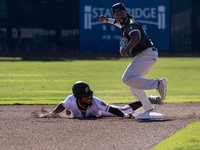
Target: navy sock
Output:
[(158, 83), (135, 105)]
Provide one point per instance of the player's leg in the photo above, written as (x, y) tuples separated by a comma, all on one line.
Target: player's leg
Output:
[(108, 114), (138, 69), (135, 73), (129, 108), (134, 78), (150, 112), (142, 97)]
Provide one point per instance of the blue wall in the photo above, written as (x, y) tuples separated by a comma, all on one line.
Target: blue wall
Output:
[(154, 15)]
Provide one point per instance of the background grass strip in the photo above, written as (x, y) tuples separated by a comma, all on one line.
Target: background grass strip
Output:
[(35, 81)]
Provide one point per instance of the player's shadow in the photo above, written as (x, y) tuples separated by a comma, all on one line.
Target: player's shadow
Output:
[(151, 120), (90, 118)]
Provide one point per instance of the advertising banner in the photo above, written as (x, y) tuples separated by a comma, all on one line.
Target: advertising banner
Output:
[(154, 16)]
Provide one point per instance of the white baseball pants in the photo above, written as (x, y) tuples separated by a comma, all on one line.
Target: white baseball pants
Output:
[(135, 73)]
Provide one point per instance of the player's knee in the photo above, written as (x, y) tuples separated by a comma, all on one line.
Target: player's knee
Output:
[(128, 80), (124, 79)]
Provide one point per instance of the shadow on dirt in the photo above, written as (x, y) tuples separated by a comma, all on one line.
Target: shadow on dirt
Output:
[(146, 120)]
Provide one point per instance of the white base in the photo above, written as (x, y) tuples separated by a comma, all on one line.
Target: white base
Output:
[(150, 115)]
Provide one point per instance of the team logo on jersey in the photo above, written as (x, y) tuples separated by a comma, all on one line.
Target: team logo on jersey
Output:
[(86, 89), (103, 104), (83, 112)]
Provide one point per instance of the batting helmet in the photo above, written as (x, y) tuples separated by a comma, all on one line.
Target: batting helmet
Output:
[(81, 89)]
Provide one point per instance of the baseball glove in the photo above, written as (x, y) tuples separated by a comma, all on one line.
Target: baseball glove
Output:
[(123, 43)]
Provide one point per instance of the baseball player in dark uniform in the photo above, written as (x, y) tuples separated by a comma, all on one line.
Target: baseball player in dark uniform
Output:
[(83, 104), (136, 43)]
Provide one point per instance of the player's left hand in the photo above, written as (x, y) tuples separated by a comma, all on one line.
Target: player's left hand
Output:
[(123, 44), (123, 52), (127, 115)]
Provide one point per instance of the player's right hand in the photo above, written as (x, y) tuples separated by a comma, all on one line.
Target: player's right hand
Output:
[(43, 116), (49, 115), (103, 19)]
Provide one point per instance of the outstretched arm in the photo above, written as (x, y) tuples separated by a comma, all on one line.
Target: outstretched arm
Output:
[(59, 108), (103, 19), (109, 20)]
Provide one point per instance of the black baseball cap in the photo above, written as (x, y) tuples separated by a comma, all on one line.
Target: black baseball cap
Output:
[(118, 6)]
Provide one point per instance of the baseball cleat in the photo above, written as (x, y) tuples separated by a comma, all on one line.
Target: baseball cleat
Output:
[(155, 100), (68, 112), (151, 114), (162, 88)]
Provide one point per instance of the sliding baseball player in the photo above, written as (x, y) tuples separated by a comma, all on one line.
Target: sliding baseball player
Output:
[(82, 104)]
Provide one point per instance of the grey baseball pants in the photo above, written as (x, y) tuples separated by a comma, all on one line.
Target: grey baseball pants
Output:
[(135, 73)]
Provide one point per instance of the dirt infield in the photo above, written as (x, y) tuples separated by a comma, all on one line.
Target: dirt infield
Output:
[(21, 131)]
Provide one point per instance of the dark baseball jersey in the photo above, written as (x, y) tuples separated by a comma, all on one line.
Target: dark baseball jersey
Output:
[(131, 26)]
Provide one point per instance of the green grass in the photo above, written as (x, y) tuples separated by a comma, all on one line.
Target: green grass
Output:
[(49, 81), (186, 139)]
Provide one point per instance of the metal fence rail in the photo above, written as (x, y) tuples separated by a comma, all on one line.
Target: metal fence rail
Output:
[(185, 25), (39, 25)]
